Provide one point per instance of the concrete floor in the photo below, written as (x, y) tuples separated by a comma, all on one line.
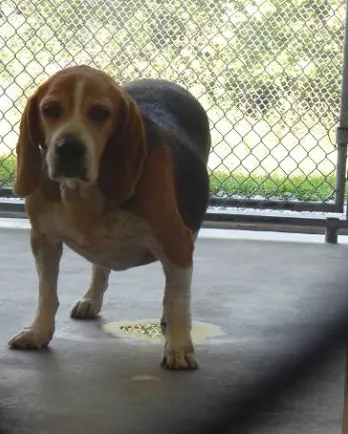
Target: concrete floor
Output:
[(272, 301)]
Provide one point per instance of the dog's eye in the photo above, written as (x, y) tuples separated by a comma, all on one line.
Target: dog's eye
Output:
[(52, 110), (99, 113)]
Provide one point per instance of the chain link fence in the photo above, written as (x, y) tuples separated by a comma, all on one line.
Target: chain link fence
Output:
[(268, 72)]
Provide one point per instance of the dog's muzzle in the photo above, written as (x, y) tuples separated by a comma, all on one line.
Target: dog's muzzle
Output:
[(71, 158)]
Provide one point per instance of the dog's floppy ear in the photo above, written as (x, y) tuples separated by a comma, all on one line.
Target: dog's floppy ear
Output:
[(123, 157), (29, 158)]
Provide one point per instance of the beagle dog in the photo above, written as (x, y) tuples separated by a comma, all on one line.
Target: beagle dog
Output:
[(118, 174)]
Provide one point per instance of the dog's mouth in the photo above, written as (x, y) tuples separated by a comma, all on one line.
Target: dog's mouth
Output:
[(70, 171)]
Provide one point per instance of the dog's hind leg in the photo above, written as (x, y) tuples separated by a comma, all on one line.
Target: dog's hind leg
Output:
[(90, 304), (178, 351)]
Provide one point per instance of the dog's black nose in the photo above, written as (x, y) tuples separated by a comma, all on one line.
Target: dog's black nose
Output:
[(71, 149), (71, 156)]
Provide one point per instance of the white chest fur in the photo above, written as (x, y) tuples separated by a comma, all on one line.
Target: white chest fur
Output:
[(120, 241)]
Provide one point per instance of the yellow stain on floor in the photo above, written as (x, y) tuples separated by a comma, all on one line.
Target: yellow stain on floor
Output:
[(150, 329), (145, 378)]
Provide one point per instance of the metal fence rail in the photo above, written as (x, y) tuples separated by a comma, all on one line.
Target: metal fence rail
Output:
[(267, 71)]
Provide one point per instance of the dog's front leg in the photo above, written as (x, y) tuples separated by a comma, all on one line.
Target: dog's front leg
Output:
[(47, 252), (178, 351)]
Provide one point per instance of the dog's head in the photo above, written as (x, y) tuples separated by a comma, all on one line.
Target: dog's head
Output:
[(89, 131)]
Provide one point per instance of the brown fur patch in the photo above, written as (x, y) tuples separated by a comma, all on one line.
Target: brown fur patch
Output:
[(156, 203)]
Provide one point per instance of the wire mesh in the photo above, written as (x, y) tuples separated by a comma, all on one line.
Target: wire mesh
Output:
[(268, 72)]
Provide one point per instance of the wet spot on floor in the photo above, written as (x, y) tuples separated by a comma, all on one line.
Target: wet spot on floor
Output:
[(150, 329)]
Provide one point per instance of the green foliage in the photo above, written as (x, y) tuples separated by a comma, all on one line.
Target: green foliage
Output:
[(251, 53), (7, 170)]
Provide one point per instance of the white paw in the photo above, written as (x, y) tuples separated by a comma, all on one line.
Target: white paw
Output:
[(176, 358), (85, 308), (31, 338)]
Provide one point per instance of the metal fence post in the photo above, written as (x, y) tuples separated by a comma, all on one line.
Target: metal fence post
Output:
[(331, 230), (342, 131)]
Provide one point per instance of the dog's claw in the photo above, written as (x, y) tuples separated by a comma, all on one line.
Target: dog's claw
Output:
[(178, 359), (30, 338), (85, 308)]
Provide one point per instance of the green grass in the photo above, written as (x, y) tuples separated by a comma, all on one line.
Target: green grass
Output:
[(7, 170), (223, 184), (311, 188)]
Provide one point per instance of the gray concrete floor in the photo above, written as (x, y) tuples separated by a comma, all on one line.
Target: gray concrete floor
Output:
[(271, 300)]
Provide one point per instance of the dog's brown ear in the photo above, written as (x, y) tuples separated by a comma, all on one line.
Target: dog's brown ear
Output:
[(29, 158), (122, 160)]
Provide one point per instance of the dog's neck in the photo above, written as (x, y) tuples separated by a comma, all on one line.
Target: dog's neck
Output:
[(85, 205)]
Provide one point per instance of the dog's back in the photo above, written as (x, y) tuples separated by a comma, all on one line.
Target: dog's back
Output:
[(174, 117)]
